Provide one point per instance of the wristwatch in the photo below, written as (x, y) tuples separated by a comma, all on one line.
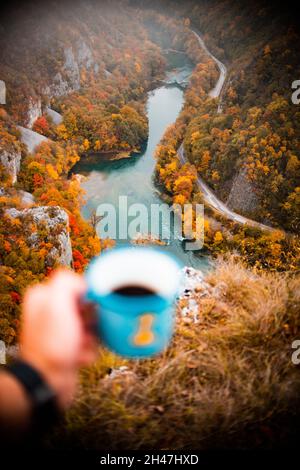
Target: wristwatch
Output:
[(45, 410)]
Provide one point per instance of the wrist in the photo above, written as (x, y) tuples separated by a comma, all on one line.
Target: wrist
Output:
[(15, 407), (62, 379), (41, 403)]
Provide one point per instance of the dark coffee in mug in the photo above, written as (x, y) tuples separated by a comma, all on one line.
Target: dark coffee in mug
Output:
[(133, 291)]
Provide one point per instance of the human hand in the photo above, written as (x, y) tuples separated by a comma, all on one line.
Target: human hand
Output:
[(55, 338)]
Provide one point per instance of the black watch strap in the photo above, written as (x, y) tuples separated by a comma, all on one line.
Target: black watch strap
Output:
[(45, 411)]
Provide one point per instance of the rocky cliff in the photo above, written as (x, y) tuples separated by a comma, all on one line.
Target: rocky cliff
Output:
[(30, 138), (77, 57), (2, 92), (243, 196), (11, 160), (55, 116), (50, 225), (34, 111)]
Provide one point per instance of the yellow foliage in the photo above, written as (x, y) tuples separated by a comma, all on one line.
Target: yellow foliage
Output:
[(138, 67), (62, 132), (94, 245), (179, 199), (36, 166), (162, 172), (215, 175), (97, 145), (218, 238), (172, 166), (195, 136), (86, 144), (183, 183), (52, 171)]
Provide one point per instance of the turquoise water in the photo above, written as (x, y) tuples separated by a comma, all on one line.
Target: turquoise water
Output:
[(106, 180)]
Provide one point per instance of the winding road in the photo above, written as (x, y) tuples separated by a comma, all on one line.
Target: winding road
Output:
[(208, 195), (216, 91)]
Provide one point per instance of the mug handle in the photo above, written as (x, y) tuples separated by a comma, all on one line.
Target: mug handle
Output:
[(89, 312)]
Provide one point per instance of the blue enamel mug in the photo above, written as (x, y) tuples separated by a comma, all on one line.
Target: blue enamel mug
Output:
[(134, 289)]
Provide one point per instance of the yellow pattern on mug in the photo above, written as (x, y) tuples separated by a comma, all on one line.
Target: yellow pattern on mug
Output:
[(144, 335)]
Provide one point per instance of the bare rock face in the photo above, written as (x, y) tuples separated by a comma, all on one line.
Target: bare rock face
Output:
[(53, 223), (77, 57), (69, 79), (2, 353), (2, 92), (242, 196), (72, 68), (26, 199), (31, 139), (11, 160), (54, 115), (192, 279), (193, 287), (196, 291), (107, 73), (34, 111), (84, 54)]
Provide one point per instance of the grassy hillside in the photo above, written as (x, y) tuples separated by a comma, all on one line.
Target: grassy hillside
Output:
[(226, 381)]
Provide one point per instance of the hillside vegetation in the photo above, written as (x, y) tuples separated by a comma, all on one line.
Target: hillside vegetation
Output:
[(228, 379), (255, 136), (94, 65)]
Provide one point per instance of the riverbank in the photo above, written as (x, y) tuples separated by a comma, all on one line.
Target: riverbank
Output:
[(110, 155), (106, 180)]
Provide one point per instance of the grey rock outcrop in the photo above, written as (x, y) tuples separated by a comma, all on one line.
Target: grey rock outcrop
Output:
[(193, 287), (11, 160), (54, 115), (31, 139), (27, 199), (77, 57), (2, 92), (34, 111), (53, 222), (2, 353), (72, 68), (107, 73), (242, 196), (84, 54), (196, 288)]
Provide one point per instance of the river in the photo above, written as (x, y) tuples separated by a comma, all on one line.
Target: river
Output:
[(106, 180)]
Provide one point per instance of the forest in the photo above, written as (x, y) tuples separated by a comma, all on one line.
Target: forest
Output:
[(256, 133), (94, 64), (106, 115)]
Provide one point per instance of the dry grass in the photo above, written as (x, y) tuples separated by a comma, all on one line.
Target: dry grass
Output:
[(227, 381)]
